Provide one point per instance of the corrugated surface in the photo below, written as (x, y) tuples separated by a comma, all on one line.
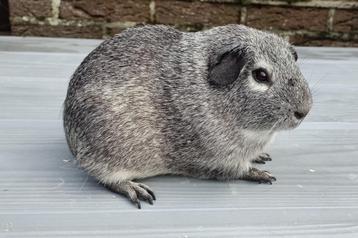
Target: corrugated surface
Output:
[(43, 194)]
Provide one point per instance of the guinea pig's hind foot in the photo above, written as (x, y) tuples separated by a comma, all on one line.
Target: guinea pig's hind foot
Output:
[(262, 158), (134, 191), (260, 176)]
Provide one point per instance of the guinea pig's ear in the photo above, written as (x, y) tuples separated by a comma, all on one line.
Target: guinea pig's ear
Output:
[(226, 68), (294, 53)]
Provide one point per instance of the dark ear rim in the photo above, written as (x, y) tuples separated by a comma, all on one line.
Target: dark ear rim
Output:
[(294, 52), (225, 68)]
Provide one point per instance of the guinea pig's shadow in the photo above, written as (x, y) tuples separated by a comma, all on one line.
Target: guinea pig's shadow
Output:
[(164, 186), (173, 183), (169, 189)]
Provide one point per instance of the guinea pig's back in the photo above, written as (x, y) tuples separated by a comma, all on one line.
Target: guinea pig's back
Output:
[(111, 112), (135, 50)]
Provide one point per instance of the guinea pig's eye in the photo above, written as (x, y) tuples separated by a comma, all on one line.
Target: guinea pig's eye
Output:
[(261, 75)]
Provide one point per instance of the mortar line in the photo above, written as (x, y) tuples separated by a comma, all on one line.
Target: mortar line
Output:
[(331, 13), (243, 15)]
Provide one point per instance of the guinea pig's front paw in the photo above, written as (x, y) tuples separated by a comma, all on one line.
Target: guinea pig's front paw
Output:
[(260, 176), (262, 158), (134, 191)]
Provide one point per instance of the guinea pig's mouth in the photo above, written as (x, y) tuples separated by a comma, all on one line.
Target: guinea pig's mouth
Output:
[(291, 122), (286, 123)]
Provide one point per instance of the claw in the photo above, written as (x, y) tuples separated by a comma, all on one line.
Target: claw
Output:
[(151, 193), (134, 191), (260, 176), (134, 199), (262, 158), (265, 158), (148, 190), (257, 161), (265, 181)]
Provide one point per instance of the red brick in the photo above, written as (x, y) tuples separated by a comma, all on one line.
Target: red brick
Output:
[(112, 30), (34, 8), (321, 41), (186, 13), (111, 10), (284, 18), (27, 29), (345, 20)]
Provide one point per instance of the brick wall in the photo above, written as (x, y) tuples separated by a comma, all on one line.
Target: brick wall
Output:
[(303, 22)]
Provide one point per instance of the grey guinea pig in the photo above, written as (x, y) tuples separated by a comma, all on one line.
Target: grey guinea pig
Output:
[(153, 100)]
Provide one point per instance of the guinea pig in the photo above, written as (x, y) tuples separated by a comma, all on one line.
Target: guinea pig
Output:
[(153, 100)]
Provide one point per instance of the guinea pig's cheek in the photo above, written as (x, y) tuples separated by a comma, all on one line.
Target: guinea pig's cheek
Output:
[(255, 86)]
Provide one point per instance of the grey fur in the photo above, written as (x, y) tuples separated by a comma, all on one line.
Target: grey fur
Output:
[(153, 100)]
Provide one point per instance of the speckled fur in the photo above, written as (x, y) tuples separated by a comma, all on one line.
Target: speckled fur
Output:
[(140, 104)]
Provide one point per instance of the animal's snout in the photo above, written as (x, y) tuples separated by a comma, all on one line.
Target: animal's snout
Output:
[(300, 114), (304, 102)]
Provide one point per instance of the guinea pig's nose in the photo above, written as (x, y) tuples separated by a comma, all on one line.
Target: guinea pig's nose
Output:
[(300, 114)]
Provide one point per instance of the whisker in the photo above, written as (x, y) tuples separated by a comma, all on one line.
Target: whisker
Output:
[(273, 127)]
